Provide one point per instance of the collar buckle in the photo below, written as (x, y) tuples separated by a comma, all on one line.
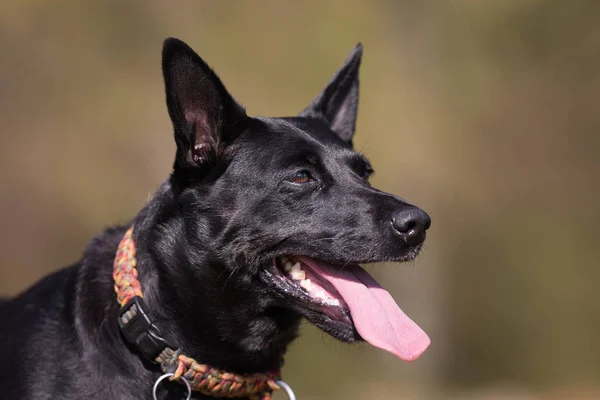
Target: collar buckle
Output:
[(139, 329)]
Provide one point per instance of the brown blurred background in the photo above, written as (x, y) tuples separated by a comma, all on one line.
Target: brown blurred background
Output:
[(485, 113)]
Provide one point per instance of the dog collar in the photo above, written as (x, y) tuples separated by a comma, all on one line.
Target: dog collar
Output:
[(141, 332)]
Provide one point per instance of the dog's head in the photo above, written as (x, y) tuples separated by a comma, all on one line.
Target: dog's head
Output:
[(283, 206)]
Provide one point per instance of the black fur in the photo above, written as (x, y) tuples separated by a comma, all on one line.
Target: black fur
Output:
[(206, 243)]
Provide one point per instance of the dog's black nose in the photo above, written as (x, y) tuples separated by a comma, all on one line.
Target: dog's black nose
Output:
[(411, 223)]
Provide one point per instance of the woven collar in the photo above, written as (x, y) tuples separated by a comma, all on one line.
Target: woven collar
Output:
[(142, 333)]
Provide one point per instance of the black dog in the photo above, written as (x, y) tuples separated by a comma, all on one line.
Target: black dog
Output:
[(261, 223)]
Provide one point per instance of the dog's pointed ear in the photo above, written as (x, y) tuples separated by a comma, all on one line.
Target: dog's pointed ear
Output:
[(204, 115), (337, 104)]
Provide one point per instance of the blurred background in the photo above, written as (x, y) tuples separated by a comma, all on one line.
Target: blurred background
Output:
[(484, 113)]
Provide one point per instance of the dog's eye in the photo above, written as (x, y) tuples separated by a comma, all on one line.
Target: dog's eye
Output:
[(302, 176)]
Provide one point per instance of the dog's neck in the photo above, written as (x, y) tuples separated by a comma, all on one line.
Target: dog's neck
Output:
[(214, 320)]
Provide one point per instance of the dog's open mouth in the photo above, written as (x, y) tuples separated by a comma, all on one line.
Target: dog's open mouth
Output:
[(318, 289), (348, 294)]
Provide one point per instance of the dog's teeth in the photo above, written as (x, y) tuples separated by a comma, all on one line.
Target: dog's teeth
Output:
[(333, 302), (320, 293), (296, 267), (306, 284), (298, 275)]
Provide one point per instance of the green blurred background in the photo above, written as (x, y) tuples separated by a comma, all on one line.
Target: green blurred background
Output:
[(484, 113)]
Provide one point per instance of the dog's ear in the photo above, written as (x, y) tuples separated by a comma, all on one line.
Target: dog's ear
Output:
[(337, 104), (205, 116)]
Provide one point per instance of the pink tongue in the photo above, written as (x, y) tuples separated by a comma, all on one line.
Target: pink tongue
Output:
[(375, 314)]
